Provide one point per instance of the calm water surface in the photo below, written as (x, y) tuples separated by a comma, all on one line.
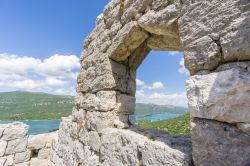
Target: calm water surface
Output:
[(39, 126), (45, 126)]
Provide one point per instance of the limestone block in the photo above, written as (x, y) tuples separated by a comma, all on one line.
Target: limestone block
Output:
[(160, 4), (136, 149), (134, 9), (102, 42), (41, 140), (123, 141), (98, 121), (112, 13), (103, 75), (202, 18), (122, 121), (44, 153), (23, 164), (216, 143), (55, 160), (137, 57), (85, 101), (105, 100), (204, 53), (3, 145), (14, 131), (9, 160), (126, 41), (226, 22), (163, 22), (1, 130), (94, 34), (64, 138), (101, 101), (78, 114), (69, 127), (126, 104), (94, 141), (16, 146), (90, 138), (38, 162), (2, 160), (245, 127), (87, 157), (235, 43), (158, 153), (160, 42), (22, 157), (222, 95)]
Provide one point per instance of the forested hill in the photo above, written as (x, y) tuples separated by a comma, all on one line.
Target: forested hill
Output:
[(28, 105), (19, 105)]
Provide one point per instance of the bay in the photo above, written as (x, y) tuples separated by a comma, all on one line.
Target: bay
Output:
[(45, 126), (39, 126)]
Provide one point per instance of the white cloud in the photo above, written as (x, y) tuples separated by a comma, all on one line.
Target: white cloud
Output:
[(29, 73), (147, 94), (51, 81), (176, 99), (182, 69), (140, 93), (174, 53), (156, 85), (140, 82)]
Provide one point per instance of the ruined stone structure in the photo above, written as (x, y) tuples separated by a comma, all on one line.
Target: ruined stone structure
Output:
[(215, 38), (19, 149)]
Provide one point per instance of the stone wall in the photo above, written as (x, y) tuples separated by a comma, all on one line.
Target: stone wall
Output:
[(19, 149), (214, 35)]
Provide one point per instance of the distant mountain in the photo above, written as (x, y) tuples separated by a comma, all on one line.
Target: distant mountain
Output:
[(19, 105), (28, 105), (148, 109)]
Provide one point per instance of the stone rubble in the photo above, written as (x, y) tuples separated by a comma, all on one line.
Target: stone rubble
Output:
[(19, 149)]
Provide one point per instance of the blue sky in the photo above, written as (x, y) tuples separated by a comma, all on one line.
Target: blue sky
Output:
[(41, 42)]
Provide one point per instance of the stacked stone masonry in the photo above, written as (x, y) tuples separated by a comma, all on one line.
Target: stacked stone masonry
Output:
[(215, 38), (19, 149)]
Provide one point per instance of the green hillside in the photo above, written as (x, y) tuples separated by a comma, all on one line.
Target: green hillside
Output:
[(26, 105), (176, 126), (20, 105), (149, 109)]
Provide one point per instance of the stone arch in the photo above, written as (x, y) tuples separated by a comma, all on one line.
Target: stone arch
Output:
[(212, 35)]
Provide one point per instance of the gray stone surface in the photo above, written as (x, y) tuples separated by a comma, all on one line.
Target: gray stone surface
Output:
[(3, 145), (22, 157), (219, 144), (222, 95), (41, 140), (136, 149), (19, 149), (16, 146), (245, 127), (162, 22), (14, 131), (2, 160), (9, 160), (126, 41)]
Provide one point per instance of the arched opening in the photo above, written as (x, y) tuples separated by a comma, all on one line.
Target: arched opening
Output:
[(161, 101)]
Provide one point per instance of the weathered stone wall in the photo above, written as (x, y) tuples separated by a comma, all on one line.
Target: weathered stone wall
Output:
[(214, 35), (19, 149)]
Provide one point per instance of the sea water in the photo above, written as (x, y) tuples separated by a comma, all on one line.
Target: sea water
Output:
[(45, 126), (39, 126)]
